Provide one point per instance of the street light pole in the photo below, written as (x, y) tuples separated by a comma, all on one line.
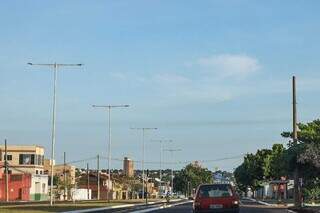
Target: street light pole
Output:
[(171, 151), (143, 153), (161, 148), (109, 107), (53, 133)]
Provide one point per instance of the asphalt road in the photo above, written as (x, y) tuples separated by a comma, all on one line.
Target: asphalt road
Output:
[(247, 207)]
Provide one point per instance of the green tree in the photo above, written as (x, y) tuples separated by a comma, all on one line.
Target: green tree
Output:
[(305, 156), (251, 172), (194, 175), (275, 167), (241, 177)]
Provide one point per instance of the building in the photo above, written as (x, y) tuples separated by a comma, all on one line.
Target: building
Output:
[(196, 164), (60, 170), (106, 186), (23, 159), (128, 168), (39, 187), (18, 187), (27, 161), (67, 178)]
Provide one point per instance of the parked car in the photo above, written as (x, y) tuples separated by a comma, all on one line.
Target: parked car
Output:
[(216, 198)]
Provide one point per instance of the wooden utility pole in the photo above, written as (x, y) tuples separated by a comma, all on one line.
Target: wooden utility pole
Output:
[(294, 110), (65, 177), (297, 198), (6, 169), (88, 181), (98, 175)]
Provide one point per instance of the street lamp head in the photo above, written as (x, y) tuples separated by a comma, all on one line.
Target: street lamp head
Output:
[(30, 63)]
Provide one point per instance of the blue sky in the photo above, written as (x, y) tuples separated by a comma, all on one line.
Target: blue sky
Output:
[(213, 76)]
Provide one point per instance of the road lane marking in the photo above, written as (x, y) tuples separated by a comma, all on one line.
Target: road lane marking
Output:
[(115, 207), (162, 207)]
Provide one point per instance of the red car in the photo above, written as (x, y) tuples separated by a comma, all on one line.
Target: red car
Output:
[(216, 198)]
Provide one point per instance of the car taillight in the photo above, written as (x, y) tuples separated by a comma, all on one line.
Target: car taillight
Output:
[(235, 202)]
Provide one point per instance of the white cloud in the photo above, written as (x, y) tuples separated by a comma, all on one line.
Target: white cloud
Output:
[(171, 78), (118, 75), (172, 88), (230, 65)]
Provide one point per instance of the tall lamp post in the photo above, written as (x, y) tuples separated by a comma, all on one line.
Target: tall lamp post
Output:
[(172, 151), (109, 107), (143, 153), (161, 148), (55, 66)]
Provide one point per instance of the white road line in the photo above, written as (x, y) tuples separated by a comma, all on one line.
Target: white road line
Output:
[(161, 207), (103, 208), (113, 207)]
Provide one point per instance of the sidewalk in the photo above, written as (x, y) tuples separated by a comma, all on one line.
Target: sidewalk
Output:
[(307, 209), (272, 202)]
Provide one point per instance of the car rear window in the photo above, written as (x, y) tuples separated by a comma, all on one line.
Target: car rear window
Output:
[(218, 190)]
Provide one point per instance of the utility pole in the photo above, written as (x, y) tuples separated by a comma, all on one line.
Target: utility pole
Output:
[(143, 154), (171, 151), (297, 197), (6, 169), (64, 176), (109, 107), (88, 181), (98, 175), (53, 133)]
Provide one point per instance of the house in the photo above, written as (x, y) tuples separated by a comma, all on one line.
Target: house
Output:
[(275, 189), (27, 160), (18, 187), (61, 170), (105, 184)]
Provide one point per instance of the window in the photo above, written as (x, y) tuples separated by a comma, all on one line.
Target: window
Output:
[(26, 159), (38, 160), (43, 188), (16, 177), (8, 158), (40, 172), (37, 172), (218, 190)]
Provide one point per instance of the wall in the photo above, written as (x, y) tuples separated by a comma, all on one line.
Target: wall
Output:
[(19, 187), (39, 187)]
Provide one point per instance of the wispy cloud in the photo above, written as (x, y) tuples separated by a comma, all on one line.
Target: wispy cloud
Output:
[(229, 65), (208, 86)]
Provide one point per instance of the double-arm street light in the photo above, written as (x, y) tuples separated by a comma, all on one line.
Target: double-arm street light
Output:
[(53, 134), (109, 107), (161, 149), (143, 153), (172, 151)]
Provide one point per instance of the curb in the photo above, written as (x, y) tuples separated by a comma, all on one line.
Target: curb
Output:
[(161, 207)]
